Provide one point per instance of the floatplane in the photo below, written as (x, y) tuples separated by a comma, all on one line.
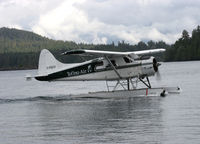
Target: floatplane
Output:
[(127, 69)]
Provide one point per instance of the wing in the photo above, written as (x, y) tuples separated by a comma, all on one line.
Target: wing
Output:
[(152, 51), (94, 52), (112, 53)]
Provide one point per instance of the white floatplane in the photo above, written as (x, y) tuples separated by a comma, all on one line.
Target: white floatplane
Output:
[(126, 68)]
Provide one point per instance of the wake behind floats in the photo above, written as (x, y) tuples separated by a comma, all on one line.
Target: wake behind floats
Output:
[(126, 68)]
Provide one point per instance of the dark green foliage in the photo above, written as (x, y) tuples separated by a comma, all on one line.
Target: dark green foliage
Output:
[(20, 49), (186, 48), (13, 40), (18, 61)]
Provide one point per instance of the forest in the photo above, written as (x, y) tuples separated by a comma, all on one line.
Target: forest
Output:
[(20, 49), (185, 48)]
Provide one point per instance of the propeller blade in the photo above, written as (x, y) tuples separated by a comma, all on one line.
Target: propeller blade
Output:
[(156, 69), (158, 76)]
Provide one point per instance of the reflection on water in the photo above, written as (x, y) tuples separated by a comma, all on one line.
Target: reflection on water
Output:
[(35, 112), (99, 121)]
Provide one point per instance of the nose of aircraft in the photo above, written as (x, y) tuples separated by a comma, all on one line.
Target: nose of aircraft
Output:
[(155, 65)]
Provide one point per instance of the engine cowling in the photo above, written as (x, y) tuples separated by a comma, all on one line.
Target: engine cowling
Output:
[(149, 67)]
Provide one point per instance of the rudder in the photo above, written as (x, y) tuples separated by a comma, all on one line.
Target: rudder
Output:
[(48, 63)]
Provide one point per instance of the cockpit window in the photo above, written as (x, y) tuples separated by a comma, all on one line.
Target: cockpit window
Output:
[(99, 65), (113, 62), (127, 60)]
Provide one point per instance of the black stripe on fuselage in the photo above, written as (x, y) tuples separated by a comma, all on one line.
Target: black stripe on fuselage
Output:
[(81, 70)]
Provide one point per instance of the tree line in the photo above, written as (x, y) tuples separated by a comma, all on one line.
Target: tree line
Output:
[(185, 48), (20, 49)]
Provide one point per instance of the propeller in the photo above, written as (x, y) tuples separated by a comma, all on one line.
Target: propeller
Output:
[(156, 69)]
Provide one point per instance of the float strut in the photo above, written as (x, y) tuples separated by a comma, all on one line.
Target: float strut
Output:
[(148, 82), (148, 85), (128, 84)]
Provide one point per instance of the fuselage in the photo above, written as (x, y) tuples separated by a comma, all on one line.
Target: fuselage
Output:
[(101, 69)]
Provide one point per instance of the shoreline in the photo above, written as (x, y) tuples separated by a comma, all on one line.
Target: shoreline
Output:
[(35, 68)]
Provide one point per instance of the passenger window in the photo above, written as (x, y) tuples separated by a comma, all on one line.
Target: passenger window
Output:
[(127, 60)]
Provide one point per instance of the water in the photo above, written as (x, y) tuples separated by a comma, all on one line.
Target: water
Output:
[(42, 112)]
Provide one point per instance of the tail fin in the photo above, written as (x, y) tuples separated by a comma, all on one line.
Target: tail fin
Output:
[(48, 63)]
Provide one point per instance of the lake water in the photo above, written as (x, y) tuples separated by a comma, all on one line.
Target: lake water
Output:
[(41, 112)]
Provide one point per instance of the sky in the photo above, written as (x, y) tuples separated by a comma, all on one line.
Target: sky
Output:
[(102, 21)]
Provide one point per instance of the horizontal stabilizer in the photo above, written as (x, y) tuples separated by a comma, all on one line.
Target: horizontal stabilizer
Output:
[(28, 77)]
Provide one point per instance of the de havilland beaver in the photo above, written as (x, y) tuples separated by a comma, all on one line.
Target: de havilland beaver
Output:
[(130, 67)]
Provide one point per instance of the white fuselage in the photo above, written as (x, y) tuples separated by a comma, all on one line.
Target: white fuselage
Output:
[(126, 69), (111, 66)]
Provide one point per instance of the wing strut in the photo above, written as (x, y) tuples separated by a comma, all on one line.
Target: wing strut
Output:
[(113, 67)]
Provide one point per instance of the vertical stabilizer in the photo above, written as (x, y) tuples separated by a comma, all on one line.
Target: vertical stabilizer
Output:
[(48, 63)]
